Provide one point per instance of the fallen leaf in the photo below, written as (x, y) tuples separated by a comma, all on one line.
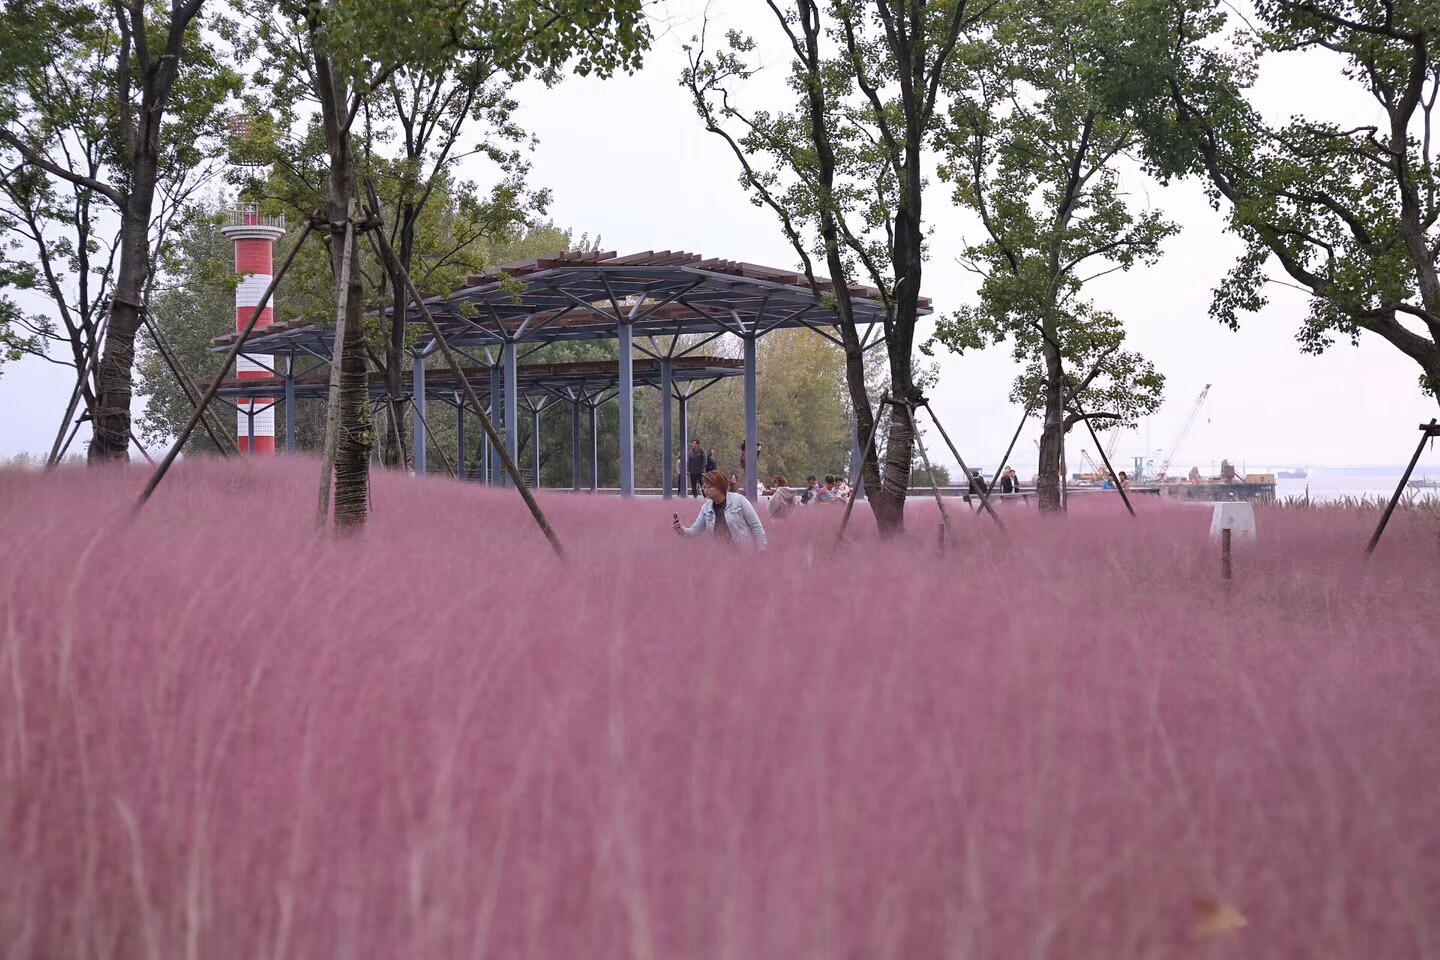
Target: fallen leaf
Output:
[(1217, 919)]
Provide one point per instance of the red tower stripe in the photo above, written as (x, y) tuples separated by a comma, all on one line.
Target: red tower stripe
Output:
[(263, 445), (254, 256), (242, 317)]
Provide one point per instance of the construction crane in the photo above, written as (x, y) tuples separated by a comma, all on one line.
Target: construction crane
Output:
[(1164, 469), (1112, 441), (1096, 472)]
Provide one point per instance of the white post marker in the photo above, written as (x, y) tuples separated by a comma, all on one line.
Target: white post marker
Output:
[(1235, 516), (1231, 520)]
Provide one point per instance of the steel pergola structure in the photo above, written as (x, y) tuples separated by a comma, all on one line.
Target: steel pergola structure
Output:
[(640, 300), (587, 385)]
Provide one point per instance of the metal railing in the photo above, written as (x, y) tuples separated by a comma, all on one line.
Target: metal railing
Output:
[(248, 215)]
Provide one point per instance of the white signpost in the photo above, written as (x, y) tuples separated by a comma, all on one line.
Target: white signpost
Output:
[(1235, 516), (1231, 519)]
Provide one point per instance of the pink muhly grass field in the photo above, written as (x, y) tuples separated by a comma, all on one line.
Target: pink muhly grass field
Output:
[(222, 736)]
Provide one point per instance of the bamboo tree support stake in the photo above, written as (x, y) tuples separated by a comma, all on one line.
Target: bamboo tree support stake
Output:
[(934, 485), (449, 468), (1428, 431), (214, 387), (1120, 487), (141, 447), (62, 443), (337, 355), (56, 449), (1005, 460), (394, 419), (984, 501), (59, 455), (221, 439), (388, 254), (860, 469)]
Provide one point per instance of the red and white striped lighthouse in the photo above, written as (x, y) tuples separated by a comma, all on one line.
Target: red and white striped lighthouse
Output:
[(254, 238)]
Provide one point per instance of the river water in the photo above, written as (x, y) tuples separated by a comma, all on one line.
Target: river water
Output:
[(1337, 483)]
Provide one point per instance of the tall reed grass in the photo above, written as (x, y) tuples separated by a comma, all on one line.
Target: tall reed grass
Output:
[(222, 736)]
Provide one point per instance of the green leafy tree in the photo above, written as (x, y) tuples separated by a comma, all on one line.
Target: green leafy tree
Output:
[(409, 135), (1031, 145), (342, 53), (111, 104), (843, 171), (105, 110), (430, 108), (1347, 211), (194, 305), (15, 341)]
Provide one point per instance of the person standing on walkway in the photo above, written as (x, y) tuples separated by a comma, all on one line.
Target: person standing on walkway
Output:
[(783, 500), (727, 516), (710, 461), (758, 447), (695, 466)]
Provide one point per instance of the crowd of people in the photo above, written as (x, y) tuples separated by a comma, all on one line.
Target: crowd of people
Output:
[(729, 515)]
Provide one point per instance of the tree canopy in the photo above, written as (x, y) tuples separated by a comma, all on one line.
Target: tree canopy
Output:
[(1032, 143), (109, 124), (843, 171), (1347, 210)]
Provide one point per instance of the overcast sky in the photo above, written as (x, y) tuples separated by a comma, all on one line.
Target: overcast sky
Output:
[(628, 159)]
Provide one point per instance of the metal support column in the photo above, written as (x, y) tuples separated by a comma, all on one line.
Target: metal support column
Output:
[(460, 436), (685, 439), (492, 457), (627, 413), (290, 404), (667, 431), (575, 445), (752, 421), (535, 440), (420, 413), (512, 416), (594, 451)]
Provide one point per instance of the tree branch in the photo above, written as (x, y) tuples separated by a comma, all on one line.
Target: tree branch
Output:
[(1095, 369), (41, 161), (1388, 30)]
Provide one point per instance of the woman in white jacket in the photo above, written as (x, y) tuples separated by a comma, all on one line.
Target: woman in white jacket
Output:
[(726, 515)]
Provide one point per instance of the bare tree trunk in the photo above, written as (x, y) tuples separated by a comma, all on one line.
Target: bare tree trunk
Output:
[(138, 138), (356, 432), (391, 451), (860, 403), (356, 436), (1052, 435), (906, 254), (111, 423), (888, 501)]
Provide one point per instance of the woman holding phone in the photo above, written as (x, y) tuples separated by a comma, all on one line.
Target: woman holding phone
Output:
[(725, 515)]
